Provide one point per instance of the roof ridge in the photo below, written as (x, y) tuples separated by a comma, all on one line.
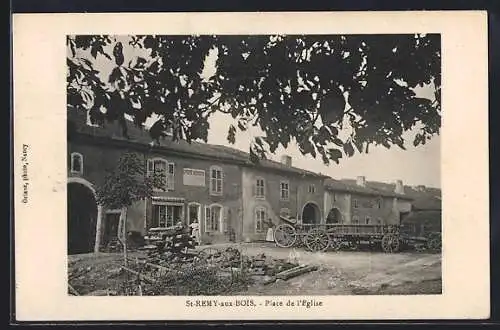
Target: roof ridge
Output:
[(266, 159), (352, 187), (136, 133)]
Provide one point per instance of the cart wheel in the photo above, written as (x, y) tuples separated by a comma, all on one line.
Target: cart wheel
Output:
[(352, 244), (390, 243), (336, 244), (420, 247), (317, 240), (434, 243), (285, 235)]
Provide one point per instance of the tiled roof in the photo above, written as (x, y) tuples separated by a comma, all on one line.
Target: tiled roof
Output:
[(266, 163), (426, 198), (141, 136), (427, 203), (342, 185)]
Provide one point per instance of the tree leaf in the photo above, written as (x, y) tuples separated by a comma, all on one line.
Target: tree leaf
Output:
[(253, 157), (118, 54), (348, 149), (335, 154), (231, 134), (332, 106), (338, 142), (115, 75)]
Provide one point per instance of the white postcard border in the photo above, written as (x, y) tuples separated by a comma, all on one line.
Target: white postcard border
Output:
[(39, 52)]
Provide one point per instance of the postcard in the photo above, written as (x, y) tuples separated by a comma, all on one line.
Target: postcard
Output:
[(251, 166)]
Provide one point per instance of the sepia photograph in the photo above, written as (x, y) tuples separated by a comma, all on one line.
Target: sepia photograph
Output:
[(251, 166), (254, 164)]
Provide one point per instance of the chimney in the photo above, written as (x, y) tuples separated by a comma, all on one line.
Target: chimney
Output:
[(421, 188), (361, 181), (399, 187), (287, 160)]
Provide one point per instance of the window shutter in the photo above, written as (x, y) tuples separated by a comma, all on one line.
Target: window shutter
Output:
[(222, 177), (171, 176), (224, 216), (256, 219), (210, 181), (207, 218)]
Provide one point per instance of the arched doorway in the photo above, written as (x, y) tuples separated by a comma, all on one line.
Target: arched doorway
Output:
[(334, 216), (311, 213), (82, 218)]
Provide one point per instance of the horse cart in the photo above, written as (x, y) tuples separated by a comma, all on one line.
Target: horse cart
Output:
[(322, 237), (415, 232)]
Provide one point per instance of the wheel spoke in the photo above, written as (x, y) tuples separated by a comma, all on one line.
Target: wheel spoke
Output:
[(317, 240), (285, 235), (390, 243)]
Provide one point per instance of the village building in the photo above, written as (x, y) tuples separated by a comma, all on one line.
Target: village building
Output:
[(358, 203), (231, 198)]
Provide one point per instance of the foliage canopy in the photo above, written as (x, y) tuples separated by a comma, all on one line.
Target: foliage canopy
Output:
[(302, 88)]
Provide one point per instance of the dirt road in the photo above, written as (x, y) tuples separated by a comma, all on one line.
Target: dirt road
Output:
[(339, 273), (353, 272)]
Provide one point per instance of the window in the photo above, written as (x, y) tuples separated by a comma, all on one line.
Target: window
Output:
[(216, 177), (76, 163), (334, 197), (260, 190), (312, 189), (284, 212), (165, 215), (355, 203), (355, 219), (367, 220), (164, 169), (379, 221), (213, 216), (284, 190), (260, 219)]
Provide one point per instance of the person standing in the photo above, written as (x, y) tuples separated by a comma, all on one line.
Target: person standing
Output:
[(195, 231), (270, 231)]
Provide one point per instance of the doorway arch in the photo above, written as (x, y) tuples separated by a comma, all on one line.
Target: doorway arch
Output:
[(311, 213), (334, 216), (82, 217)]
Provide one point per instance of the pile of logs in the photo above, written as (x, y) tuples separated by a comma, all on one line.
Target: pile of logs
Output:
[(172, 269)]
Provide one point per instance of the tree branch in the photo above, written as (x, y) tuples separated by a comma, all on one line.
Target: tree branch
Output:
[(211, 104), (315, 118)]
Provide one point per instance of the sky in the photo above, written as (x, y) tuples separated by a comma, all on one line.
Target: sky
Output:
[(414, 166)]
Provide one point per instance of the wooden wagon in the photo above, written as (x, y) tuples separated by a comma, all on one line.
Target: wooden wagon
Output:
[(421, 230), (320, 237)]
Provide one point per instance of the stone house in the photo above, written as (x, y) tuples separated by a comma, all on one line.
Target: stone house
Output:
[(218, 186), (291, 193), (360, 204)]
